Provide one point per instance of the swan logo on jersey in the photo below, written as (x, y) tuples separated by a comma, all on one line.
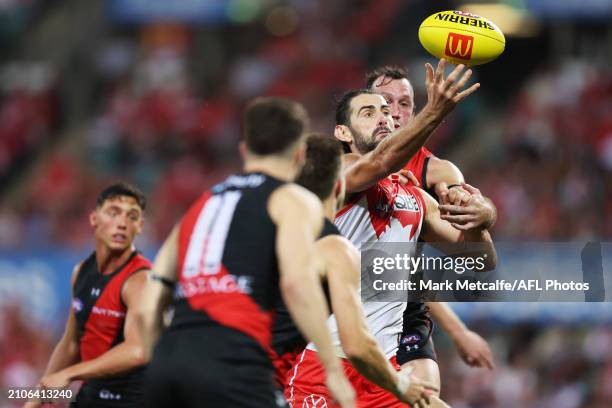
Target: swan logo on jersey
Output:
[(314, 401)]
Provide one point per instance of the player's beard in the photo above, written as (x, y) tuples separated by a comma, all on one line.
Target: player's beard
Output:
[(365, 144)]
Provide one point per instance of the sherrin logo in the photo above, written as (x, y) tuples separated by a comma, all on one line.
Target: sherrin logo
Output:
[(459, 46)]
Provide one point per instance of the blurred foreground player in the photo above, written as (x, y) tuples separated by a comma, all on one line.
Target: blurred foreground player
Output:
[(227, 257), (435, 176), (101, 344), (339, 271), (381, 210)]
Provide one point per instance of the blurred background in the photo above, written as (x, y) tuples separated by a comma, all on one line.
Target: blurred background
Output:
[(151, 92)]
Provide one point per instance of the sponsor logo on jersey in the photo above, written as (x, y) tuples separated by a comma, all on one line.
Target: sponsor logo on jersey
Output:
[(107, 312), (406, 203), (314, 401), (95, 292)]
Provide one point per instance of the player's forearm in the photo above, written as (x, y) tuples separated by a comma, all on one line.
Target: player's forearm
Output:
[(149, 317), (483, 246), (370, 361), (120, 359), (447, 318), (306, 304), (396, 150), (65, 354)]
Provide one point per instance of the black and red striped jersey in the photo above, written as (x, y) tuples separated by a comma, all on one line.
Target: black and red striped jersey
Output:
[(227, 266), (99, 309)]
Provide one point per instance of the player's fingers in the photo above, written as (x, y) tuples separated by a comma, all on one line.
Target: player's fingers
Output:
[(452, 78), (463, 94), (429, 74), (429, 386), (461, 83), (439, 77), (410, 176), (456, 209), (469, 188), (487, 358)]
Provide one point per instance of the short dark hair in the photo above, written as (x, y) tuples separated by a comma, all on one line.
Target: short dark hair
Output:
[(122, 189), (387, 71), (322, 166), (271, 125), (343, 110)]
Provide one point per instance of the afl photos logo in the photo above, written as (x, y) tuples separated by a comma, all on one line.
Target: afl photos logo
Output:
[(459, 46)]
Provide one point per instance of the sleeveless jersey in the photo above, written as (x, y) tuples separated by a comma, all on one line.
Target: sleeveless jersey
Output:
[(285, 335), (228, 272), (100, 314), (386, 212)]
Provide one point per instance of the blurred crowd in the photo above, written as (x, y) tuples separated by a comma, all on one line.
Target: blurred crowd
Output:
[(163, 111), (536, 367), (165, 115)]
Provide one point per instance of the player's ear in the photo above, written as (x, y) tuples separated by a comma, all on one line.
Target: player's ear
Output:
[(140, 225), (300, 153), (343, 133), (93, 219), (242, 147)]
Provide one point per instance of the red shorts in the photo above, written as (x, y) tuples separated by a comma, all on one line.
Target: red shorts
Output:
[(282, 366), (306, 386)]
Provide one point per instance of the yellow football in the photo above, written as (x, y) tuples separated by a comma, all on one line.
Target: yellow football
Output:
[(461, 37)]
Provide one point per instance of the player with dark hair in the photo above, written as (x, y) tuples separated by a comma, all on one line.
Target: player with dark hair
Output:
[(101, 344), (240, 246), (436, 176), (382, 210), (339, 271)]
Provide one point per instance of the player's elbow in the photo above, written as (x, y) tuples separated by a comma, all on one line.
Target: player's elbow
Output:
[(357, 347), (138, 355)]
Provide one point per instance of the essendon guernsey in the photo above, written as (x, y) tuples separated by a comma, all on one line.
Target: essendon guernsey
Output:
[(100, 311), (228, 272)]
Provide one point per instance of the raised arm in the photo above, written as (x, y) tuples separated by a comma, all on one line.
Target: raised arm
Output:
[(393, 152), (343, 276), (298, 216)]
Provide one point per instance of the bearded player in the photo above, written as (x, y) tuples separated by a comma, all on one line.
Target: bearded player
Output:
[(435, 176), (385, 211), (339, 271)]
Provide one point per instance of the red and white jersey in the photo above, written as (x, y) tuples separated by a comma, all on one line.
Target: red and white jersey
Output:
[(386, 212)]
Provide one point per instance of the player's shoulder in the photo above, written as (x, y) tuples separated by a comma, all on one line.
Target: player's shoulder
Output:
[(295, 198), (337, 248)]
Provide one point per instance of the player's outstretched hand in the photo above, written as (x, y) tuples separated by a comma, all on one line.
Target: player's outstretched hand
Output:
[(443, 94), (474, 350), (466, 208), (417, 391), (340, 389)]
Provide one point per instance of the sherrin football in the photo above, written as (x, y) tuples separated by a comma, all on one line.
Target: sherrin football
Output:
[(461, 37)]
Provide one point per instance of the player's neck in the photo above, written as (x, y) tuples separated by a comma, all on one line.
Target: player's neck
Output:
[(109, 261), (329, 208), (276, 167)]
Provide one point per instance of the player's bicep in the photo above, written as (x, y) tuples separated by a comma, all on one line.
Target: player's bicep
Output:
[(132, 296), (442, 171), (343, 277), (298, 221)]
